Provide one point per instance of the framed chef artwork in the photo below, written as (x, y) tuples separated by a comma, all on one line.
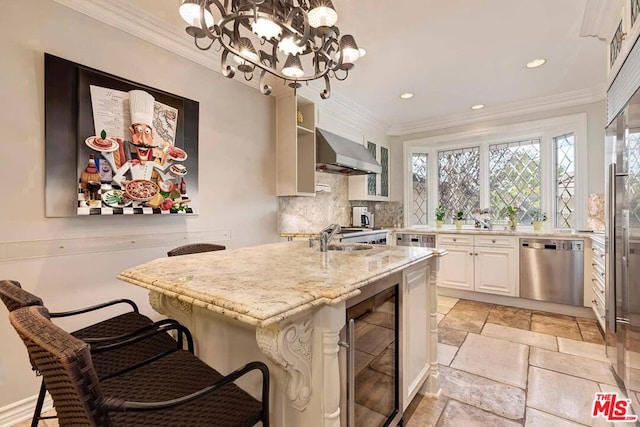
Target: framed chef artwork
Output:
[(116, 147)]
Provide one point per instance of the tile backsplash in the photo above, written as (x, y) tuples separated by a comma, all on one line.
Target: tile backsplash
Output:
[(386, 214), (312, 214), (595, 212)]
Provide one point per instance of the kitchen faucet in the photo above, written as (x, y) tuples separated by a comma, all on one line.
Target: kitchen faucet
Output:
[(484, 220), (326, 236)]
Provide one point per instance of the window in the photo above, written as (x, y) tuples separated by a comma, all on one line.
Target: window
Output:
[(514, 177), (532, 165), (420, 192), (565, 181), (632, 182), (459, 180)]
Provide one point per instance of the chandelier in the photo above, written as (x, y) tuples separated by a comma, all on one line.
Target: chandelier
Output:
[(294, 40)]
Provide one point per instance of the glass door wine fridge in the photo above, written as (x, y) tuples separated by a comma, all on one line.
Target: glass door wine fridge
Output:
[(372, 366)]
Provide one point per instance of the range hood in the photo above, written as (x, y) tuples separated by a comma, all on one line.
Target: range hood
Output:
[(336, 154)]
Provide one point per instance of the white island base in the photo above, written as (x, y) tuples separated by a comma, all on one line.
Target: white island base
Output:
[(302, 348)]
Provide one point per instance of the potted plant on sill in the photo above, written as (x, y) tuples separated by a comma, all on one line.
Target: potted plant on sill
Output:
[(458, 217), (538, 217), (440, 213), (511, 213)]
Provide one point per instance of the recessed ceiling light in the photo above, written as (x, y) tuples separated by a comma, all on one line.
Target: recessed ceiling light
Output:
[(477, 107), (406, 95), (535, 63)]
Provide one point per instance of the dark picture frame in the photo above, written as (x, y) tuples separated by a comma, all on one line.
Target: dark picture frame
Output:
[(69, 121)]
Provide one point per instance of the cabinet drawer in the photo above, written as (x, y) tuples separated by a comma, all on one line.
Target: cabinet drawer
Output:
[(454, 239), (598, 253), (597, 280), (597, 267), (598, 301), (495, 241)]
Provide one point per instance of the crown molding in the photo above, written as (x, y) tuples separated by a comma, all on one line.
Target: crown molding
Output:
[(519, 108), (597, 18), (117, 13)]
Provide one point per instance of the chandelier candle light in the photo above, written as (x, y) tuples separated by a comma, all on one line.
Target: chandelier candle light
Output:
[(298, 40)]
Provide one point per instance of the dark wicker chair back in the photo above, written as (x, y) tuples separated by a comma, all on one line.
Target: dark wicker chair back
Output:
[(118, 328), (14, 297), (194, 248), (65, 363), (178, 389)]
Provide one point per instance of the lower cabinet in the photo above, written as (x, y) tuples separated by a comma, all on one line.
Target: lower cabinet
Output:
[(480, 263), (457, 267), (416, 326), (597, 280)]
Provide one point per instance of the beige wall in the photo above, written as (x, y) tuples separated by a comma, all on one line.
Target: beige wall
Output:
[(237, 173), (596, 118)]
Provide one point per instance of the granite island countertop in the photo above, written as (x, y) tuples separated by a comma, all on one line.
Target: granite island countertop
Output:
[(262, 285)]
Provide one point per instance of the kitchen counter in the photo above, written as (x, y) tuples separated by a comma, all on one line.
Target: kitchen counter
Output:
[(301, 235), (285, 304), (525, 232)]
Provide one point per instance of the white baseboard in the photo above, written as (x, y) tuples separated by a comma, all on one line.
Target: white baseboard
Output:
[(22, 410)]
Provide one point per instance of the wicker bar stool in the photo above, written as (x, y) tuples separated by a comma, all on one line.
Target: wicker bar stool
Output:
[(176, 390), (194, 248), (130, 328)]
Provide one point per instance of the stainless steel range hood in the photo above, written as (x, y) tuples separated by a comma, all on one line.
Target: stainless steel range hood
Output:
[(336, 154)]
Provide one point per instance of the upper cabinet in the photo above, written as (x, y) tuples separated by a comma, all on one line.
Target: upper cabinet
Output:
[(296, 146), (374, 186), (616, 21), (297, 119)]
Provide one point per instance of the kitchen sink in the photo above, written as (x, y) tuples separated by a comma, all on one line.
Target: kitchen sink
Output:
[(349, 247)]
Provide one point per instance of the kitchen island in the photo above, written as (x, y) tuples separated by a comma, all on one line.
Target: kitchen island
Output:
[(284, 304)]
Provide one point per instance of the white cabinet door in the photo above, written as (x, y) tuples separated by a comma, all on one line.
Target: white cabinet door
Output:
[(456, 269), (496, 271), (416, 330)]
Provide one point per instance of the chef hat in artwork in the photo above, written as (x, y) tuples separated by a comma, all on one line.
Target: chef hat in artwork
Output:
[(141, 106)]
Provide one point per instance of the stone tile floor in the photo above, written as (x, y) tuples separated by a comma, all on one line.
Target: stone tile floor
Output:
[(506, 366)]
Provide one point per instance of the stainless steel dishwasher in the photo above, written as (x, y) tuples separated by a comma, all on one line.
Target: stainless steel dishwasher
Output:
[(552, 270), (421, 240)]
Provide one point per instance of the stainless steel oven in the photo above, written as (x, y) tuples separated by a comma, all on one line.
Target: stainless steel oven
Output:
[(371, 366)]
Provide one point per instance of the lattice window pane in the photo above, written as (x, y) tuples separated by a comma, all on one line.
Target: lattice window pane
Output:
[(384, 176), (632, 162), (459, 180), (615, 46), (371, 178), (565, 181), (635, 11), (514, 178), (419, 162)]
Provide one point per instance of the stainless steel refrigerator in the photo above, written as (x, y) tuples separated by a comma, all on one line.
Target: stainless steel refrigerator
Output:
[(622, 290)]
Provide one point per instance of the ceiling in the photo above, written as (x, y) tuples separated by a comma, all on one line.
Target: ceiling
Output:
[(456, 53)]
